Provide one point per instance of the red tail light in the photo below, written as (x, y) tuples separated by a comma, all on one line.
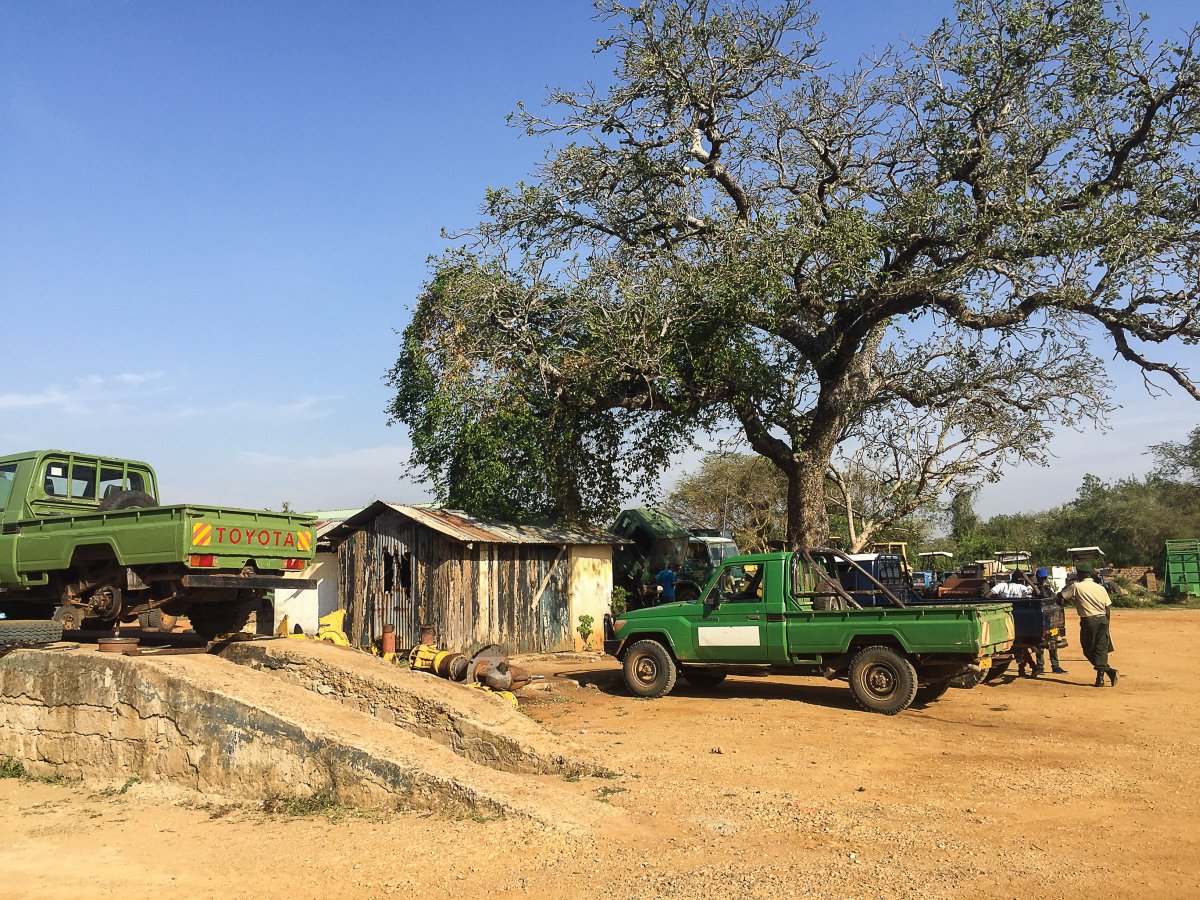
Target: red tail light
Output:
[(293, 564), (198, 560)]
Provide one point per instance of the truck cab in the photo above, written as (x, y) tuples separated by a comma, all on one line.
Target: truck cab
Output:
[(57, 482)]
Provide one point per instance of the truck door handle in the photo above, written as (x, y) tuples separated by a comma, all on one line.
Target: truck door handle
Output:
[(755, 618)]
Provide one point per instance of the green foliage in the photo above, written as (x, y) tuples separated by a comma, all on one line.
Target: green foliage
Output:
[(585, 630), (920, 250), (14, 768), (742, 493), (296, 806), (1130, 519), (620, 600)]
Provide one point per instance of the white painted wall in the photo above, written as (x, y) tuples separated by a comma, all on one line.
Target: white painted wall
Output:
[(305, 607)]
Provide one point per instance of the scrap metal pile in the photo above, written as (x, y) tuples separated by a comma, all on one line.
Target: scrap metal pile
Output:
[(488, 668)]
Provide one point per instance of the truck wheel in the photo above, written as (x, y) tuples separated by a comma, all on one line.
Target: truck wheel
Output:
[(29, 631), (704, 679), (932, 691), (649, 669), (214, 620), (156, 618), (882, 680), (127, 500)]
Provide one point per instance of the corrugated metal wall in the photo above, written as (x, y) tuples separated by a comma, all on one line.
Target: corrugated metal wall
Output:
[(396, 571)]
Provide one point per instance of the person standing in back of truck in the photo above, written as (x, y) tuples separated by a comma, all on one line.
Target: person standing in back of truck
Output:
[(1095, 611), (666, 580), (1045, 589)]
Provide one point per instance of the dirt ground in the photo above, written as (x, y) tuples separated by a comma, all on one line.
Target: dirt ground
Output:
[(764, 788)]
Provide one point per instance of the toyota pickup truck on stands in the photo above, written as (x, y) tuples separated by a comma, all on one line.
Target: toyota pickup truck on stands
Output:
[(83, 539), (788, 614)]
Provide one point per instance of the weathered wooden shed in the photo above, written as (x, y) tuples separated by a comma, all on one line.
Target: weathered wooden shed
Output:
[(476, 581)]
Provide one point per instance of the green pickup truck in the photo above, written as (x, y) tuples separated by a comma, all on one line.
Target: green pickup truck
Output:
[(787, 613), (83, 539)]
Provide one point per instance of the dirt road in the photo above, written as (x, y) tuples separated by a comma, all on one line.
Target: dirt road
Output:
[(764, 788)]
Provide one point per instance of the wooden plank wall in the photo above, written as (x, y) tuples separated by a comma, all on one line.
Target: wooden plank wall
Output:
[(482, 594)]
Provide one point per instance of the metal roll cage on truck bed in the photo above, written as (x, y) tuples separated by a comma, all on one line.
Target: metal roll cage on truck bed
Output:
[(787, 613), (83, 540)]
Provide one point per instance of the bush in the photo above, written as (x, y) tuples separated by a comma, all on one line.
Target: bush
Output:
[(620, 600), (1128, 594)]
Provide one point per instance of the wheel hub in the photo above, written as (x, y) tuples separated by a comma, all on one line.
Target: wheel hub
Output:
[(646, 670), (881, 681)]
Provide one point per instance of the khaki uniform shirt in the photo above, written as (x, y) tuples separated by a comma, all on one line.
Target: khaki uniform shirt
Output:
[(1090, 597)]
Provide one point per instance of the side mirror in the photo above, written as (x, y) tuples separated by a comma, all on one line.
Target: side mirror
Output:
[(713, 601)]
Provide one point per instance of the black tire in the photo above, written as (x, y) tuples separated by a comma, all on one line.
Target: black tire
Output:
[(932, 691), (214, 620), (156, 618), (704, 679), (30, 631), (967, 680), (997, 670), (882, 680), (127, 500), (649, 670)]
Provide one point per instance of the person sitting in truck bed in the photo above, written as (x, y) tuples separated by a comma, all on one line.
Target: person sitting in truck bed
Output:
[(1012, 589), (1016, 589)]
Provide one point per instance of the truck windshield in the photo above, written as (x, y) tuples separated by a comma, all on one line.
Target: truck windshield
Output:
[(8, 472), (719, 552)]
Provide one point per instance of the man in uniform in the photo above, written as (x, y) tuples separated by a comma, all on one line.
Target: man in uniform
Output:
[(1095, 610)]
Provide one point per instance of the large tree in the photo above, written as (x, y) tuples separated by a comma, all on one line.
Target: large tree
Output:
[(734, 231)]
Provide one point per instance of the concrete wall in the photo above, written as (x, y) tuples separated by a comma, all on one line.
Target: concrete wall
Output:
[(590, 591)]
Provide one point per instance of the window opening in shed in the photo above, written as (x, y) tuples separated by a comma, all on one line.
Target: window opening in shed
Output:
[(389, 571)]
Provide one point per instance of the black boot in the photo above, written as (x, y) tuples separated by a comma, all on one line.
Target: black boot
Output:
[(1112, 676), (1099, 678)]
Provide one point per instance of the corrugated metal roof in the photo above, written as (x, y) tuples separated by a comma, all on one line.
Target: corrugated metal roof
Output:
[(470, 529)]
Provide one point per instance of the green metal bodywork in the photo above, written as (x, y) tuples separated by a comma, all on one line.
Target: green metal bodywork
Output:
[(758, 610), (1182, 568), (51, 521)]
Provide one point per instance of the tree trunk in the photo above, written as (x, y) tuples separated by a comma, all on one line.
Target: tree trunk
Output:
[(808, 520)]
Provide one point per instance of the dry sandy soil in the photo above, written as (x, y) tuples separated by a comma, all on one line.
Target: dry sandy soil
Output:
[(765, 788)]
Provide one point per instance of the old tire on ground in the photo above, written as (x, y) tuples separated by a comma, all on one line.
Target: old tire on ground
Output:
[(32, 631), (649, 669), (882, 680), (156, 618), (704, 679), (997, 670), (932, 691), (214, 620), (967, 680), (127, 500)]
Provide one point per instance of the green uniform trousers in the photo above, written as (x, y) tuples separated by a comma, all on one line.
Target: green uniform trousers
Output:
[(1095, 640)]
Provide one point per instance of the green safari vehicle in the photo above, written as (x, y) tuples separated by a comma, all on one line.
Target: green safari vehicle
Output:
[(84, 539), (787, 613)]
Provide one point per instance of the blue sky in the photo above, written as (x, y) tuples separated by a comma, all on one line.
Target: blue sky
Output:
[(214, 216)]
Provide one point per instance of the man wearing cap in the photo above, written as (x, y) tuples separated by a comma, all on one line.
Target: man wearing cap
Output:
[(1095, 609), (1045, 588)]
